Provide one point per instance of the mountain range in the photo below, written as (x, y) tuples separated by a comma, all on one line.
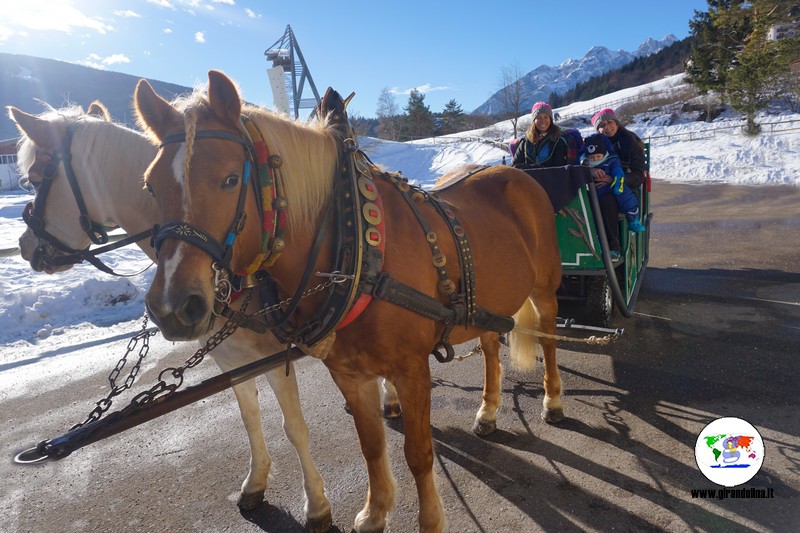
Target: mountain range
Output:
[(26, 81), (541, 82)]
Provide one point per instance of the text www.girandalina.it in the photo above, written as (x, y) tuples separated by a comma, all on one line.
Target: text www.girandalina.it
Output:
[(743, 493)]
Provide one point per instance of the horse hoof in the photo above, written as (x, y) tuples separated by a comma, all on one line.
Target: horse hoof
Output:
[(392, 411), (484, 427), (248, 502), (553, 416), (320, 524)]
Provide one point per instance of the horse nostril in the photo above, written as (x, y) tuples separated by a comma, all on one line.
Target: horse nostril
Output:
[(194, 310)]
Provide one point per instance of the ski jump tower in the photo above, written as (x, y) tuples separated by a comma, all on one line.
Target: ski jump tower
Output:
[(288, 76)]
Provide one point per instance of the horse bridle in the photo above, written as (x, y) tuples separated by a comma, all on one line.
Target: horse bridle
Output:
[(33, 215), (225, 279), (184, 231)]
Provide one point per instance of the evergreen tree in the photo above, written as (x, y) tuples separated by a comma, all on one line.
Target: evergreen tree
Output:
[(733, 56), (418, 121), (452, 118)]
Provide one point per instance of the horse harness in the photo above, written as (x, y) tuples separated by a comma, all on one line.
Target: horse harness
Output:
[(355, 215), (33, 215)]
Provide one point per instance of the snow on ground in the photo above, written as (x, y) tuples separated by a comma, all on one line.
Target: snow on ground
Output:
[(47, 314)]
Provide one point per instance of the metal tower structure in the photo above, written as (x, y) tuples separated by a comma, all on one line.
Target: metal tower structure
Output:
[(288, 75)]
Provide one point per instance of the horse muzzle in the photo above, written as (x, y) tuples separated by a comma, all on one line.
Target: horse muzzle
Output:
[(182, 316)]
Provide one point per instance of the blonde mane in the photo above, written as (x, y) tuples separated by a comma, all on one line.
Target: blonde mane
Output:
[(309, 152)]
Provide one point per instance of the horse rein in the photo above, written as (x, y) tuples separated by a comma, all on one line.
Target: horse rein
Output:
[(33, 215)]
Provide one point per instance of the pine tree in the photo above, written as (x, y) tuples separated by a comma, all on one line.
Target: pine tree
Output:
[(418, 122), (452, 118), (733, 56)]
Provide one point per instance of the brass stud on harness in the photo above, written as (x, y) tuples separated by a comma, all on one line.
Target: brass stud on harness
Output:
[(372, 213), (431, 237), (367, 188), (372, 236), (275, 161), (418, 197), (279, 202), (278, 245), (447, 287), (439, 259)]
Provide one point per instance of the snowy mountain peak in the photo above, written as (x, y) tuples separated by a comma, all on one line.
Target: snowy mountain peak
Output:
[(539, 83)]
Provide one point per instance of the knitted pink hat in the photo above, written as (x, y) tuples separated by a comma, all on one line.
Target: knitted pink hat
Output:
[(541, 108), (604, 114)]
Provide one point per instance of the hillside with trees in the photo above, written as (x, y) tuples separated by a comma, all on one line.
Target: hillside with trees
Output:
[(747, 53)]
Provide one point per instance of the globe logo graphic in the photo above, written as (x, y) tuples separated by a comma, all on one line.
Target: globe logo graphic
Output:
[(729, 451)]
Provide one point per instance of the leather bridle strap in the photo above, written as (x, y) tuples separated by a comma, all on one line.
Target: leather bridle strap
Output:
[(220, 252)]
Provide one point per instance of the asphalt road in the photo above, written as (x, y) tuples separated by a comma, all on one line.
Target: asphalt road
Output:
[(716, 333)]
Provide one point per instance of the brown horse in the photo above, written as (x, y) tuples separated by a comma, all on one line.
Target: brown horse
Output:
[(198, 179)]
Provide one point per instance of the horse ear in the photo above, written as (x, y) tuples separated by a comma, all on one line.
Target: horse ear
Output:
[(97, 109), (223, 97), (153, 114), (43, 133)]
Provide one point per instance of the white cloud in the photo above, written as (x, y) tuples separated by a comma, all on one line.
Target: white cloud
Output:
[(423, 89), (161, 3), (127, 13), (252, 14), (102, 63), (167, 30), (51, 15), (116, 58), (228, 2), (199, 37)]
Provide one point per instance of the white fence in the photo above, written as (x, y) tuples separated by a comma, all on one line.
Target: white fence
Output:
[(767, 128)]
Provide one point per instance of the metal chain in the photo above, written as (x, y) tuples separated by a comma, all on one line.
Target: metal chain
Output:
[(104, 404), (334, 278), (162, 388)]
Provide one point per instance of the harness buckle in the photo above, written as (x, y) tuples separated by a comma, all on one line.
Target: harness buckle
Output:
[(336, 276)]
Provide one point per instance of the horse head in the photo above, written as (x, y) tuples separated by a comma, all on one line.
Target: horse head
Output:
[(199, 178), (78, 163), (40, 152)]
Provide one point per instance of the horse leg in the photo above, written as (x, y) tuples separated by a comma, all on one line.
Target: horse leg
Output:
[(538, 313), (254, 485), (363, 399), (391, 403), (317, 507), (486, 419), (414, 389), (546, 309)]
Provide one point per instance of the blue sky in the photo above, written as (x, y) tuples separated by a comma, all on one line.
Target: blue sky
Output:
[(446, 50)]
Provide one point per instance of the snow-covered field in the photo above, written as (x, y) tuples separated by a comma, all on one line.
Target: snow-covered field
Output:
[(41, 312)]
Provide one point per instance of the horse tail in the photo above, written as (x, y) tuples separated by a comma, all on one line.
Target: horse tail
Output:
[(524, 347)]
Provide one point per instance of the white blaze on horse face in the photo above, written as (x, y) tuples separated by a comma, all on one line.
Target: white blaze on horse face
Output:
[(179, 172), (171, 266)]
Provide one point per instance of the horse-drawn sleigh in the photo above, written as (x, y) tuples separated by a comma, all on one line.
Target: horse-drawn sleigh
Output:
[(450, 267)]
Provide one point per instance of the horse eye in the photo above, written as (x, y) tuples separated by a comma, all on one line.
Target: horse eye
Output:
[(150, 189), (231, 181)]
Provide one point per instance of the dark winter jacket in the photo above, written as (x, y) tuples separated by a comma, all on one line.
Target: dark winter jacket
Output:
[(628, 148), (550, 150)]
